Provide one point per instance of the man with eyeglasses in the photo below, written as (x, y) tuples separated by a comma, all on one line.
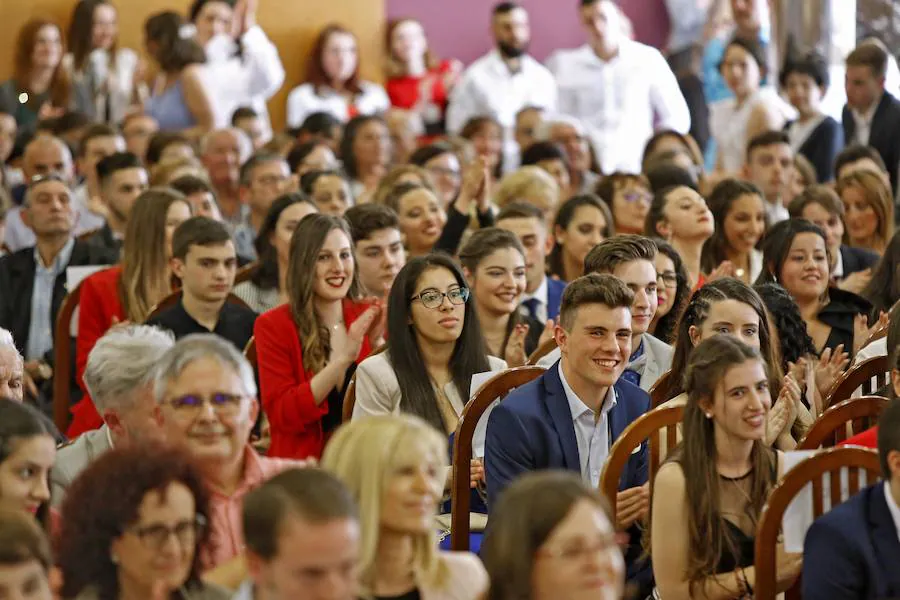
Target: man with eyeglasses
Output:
[(205, 391), (264, 177), (569, 133), (33, 279)]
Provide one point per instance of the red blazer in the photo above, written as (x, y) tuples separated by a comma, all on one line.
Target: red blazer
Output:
[(295, 419), (867, 439), (98, 305)]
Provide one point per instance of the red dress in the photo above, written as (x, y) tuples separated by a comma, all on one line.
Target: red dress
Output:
[(98, 305), (406, 92), (295, 419)]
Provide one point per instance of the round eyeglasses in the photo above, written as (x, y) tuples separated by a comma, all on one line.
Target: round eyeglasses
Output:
[(434, 298)]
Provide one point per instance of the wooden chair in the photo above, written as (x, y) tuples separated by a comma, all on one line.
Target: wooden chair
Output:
[(645, 427), (63, 350), (246, 272), (860, 376), (659, 390), (830, 429), (350, 392), (250, 352), (496, 387), (879, 333), (811, 470), (541, 351), (172, 299)]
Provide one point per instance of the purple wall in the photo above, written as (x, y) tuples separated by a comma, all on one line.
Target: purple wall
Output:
[(461, 28)]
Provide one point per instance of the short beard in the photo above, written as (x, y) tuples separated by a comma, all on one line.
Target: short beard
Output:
[(509, 51)]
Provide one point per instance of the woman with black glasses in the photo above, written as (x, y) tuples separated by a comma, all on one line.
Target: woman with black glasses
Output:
[(141, 541)]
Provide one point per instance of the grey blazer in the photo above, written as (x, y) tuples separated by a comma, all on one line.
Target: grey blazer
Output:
[(73, 458)]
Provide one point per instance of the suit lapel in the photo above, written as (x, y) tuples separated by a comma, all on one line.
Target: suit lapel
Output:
[(877, 133), (884, 540), (23, 278), (561, 415), (618, 415)]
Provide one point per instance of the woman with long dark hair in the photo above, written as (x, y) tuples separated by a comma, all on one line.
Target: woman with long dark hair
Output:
[(883, 289), (266, 288), (309, 348), (365, 152), (673, 291), (680, 215), (739, 211), (97, 61), (581, 223), (708, 497), (27, 453)]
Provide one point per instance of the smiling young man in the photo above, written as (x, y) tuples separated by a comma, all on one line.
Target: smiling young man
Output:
[(630, 258), (379, 248), (204, 259)]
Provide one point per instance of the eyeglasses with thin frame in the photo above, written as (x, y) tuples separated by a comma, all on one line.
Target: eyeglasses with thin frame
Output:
[(635, 196), (154, 537), (575, 550), (669, 278), (222, 404), (434, 299)]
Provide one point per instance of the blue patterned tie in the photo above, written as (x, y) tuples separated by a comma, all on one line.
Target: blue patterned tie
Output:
[(532, 305)]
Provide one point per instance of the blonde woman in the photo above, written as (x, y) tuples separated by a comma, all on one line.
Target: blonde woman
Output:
[(529, 184), (129, 291), (868, 210), (395, 467)]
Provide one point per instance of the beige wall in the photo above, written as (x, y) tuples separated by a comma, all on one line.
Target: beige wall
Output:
[(291, 24)]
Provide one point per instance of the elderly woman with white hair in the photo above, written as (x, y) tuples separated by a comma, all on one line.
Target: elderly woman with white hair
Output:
[(13, 378), (118, 376)]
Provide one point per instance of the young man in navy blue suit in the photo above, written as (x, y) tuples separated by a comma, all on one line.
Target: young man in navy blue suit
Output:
[(853, 552), (569, 417), (542, 294)]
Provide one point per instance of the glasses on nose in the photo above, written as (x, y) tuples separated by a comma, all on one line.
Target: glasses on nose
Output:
[(669, 279), (575, 551), (222, 404), (154, 537), (636, 196), (434, 299)]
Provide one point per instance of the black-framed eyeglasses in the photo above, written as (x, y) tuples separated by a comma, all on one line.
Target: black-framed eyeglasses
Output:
[(223, 404), (434, 299), (669, 278), (154, 537)]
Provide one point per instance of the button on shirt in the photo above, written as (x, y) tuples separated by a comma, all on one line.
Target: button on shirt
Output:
[(591, 433), (40, 329), (620, 101)]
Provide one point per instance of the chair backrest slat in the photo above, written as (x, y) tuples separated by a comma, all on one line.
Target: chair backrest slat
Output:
[(658, 391), (831, 427), (859, 377)]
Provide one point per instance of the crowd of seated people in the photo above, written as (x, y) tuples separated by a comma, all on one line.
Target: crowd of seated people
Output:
[(239, 361)]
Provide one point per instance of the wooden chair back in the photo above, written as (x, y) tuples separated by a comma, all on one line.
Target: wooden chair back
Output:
[(63, 353), (660, 389), (880, 332), (250, 353), (350, 392), (246, 272), (541, 351), (647, 427), (172, 299), (856, 414), (493, 389), (860, 377), (811, 470)]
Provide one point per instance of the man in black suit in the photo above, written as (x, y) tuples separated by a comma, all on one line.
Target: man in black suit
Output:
[(33, 280), (872, 115)]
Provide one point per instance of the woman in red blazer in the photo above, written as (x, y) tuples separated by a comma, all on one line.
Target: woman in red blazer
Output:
[(309, 348), (127, 293)]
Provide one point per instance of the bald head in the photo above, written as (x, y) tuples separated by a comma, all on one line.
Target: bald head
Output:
[(12, 369), (46, 154), (223, 151)]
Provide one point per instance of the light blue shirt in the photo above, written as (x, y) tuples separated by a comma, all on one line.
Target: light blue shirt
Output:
[(40, 329), (244, 241), (591, 432)]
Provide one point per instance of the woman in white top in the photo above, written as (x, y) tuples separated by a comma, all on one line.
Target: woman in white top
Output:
[(332, 82), (739, 212), (753, 110), (97, 62)]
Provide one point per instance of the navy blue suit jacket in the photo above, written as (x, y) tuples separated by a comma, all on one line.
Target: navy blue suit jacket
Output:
[(555, 289), (857, 259), (884, 133), (532, 429), (852, 552)]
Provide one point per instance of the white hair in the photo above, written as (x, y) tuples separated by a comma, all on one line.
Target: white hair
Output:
[(195, 347), (7, 342), (245, 146), (543, 130), (122, 362)]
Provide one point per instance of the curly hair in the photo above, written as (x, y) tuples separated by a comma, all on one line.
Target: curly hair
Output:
[(794, 341), (92, 517)]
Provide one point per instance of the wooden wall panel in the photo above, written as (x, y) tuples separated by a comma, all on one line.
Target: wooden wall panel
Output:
[(291, 24)]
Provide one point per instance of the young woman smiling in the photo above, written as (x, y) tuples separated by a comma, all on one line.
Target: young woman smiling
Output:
[(27, 453), (582, 222), (422, 216), (740, 221), (493, 261), (869, 210), (309, 348), (681, 216)]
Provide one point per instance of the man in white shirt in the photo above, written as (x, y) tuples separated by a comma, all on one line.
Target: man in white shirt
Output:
[(502, 82), (622, 90), (303, 539), (770, 166), (853, 550)]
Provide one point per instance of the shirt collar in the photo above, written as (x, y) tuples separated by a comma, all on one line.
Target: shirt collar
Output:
[(892, 505), (540, 293), (869, 115), (60, 262), (838, 270), (577, 407), (253, 473)]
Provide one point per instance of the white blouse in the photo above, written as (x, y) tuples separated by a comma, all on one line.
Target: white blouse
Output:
[(110, 82), (728, 125), (305, 99)]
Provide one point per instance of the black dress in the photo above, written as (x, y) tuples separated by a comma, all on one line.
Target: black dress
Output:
[(840, 313)]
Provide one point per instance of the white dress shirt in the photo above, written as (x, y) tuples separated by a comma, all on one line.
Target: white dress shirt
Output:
[(621, 101), (863, 123), (540, 294), (892, 506), (248, 79), (591, 432), (305, 99), (489, 89)]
